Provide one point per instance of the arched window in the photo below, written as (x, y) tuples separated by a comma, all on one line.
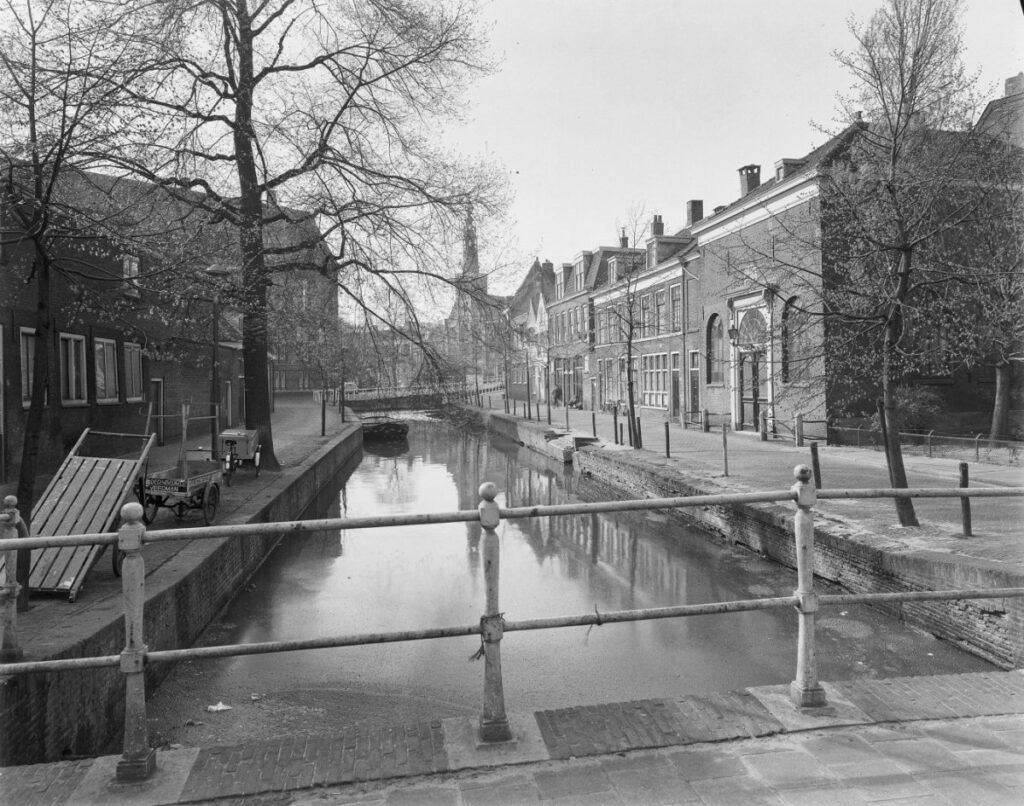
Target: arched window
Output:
[(796, 351), (715, 350)]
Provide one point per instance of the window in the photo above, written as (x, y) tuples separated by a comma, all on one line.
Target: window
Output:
[(105, 364), (795, 343), (659, 311), (72, 369), (676, 307), (693, 312), (715, 349), (28, 357), (130, 273), (645, 316), (654, 380), (133, 371)]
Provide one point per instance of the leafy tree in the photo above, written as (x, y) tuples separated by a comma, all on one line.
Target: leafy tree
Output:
[(324, 108)]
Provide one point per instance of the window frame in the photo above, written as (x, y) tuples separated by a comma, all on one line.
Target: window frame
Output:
[(27, 341), (72, 345), (715, 335), (133, 372), (107, 348)]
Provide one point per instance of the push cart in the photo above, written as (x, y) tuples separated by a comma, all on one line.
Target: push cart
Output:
[(238, 446), (193, 483)]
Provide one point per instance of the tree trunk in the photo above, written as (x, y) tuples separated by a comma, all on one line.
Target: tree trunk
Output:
[(37, 424), (254, 273), (889, 419), (1001, 407)]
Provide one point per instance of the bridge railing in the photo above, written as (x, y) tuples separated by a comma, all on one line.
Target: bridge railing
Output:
[(138, 758), (460, 391)]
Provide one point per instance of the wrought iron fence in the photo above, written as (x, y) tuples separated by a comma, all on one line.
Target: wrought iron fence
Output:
[(138, 759), (978, 448)]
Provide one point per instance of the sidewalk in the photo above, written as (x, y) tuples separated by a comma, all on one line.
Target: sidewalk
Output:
[(917, 740), (998, 523)]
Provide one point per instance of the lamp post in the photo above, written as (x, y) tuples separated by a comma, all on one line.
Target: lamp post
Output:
[(215, 271)]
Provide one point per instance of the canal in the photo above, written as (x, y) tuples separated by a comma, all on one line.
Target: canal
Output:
[(405, 578)]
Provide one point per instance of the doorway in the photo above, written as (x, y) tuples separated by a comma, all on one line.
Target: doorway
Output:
[(753, 377), (693, 404), (674, 389)]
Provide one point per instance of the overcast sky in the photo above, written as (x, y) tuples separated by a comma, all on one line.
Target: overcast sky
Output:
[(601, 106)]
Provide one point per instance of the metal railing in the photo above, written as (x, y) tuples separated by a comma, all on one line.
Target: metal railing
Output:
[(138, 758), (979, 447)]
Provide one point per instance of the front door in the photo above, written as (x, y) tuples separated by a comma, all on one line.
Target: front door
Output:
[(674, 389), (753, 388), (694, 401)]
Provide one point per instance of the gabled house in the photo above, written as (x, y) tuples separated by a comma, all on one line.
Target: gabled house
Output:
[(527, 316)]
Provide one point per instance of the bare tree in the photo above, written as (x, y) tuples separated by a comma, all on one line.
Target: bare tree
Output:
[(322, 108), (62, 67)]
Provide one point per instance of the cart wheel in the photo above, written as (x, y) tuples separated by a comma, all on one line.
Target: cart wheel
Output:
[(150, 508), (180, 509), (256, 459), (211, 497)]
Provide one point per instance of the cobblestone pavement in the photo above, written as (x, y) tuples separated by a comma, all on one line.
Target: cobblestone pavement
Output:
[(957, 739)]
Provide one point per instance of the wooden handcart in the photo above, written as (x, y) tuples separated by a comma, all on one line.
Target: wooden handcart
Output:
[(193, 483)]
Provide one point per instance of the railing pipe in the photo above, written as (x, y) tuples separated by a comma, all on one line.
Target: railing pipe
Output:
[(805, 690), (11, 526), (494, 725), (139, 759)]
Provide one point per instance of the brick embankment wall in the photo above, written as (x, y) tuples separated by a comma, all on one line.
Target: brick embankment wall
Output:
[(990, 628), (44, 717)]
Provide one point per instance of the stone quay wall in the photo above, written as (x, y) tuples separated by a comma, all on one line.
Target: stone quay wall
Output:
[(49, 716), (990, 628)]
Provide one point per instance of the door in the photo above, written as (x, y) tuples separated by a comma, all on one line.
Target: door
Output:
[(674, 389), (753, 388), (694, 400)]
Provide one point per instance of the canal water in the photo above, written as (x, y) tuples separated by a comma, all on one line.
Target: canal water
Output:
[(404, 578)]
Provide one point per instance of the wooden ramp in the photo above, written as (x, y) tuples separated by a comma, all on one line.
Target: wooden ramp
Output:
[(84, 497)]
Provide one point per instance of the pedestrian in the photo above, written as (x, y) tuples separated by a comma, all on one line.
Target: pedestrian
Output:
[(556, 395)]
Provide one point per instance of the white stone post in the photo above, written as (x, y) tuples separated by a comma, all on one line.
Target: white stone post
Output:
[(494, 725), (11, 526), (139, 759), (805, 690)]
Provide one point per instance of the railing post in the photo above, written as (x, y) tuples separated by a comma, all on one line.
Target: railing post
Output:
[(706, 421), (139, 759), (805, 690), (725, 448), (668, 452), (615, 425), (798, 431), (494, 725), (11, 527), (928, 439), (965, 503), (816, 465), (593, 422), (567, 415), (763, 425)]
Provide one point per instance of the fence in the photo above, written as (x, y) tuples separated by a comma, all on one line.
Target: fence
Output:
[(979, 448), (138, 759)]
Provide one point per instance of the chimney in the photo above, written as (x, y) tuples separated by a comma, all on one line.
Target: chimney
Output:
[(750, 178), (1015, 85), (657, 227), (547, 265), (694, 211), (623, 239)]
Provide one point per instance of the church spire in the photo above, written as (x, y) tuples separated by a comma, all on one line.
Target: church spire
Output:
[(470, 257)]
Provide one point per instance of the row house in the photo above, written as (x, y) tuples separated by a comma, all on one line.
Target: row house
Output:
[(141, 309), (527, 316)]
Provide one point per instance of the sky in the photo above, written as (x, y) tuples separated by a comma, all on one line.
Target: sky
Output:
[(603, 108)]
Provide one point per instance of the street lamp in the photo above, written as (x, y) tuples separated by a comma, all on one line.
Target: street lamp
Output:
[(215, 272)]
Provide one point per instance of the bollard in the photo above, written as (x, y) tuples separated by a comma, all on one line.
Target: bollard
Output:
[(639, 436), (798, 431), (494, 725), (567, 416), (615, 425), (323, 415), (139, 759), (763, 425), (805, 690), (488, 401), (593, 422), (965, 503), (621, 437), (725, 448), (816, 466), (668, 454), (705, 421), (538, 411), (11, 527)]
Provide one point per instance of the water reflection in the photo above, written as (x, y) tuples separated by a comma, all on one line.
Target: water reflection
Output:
[(402, 578)]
